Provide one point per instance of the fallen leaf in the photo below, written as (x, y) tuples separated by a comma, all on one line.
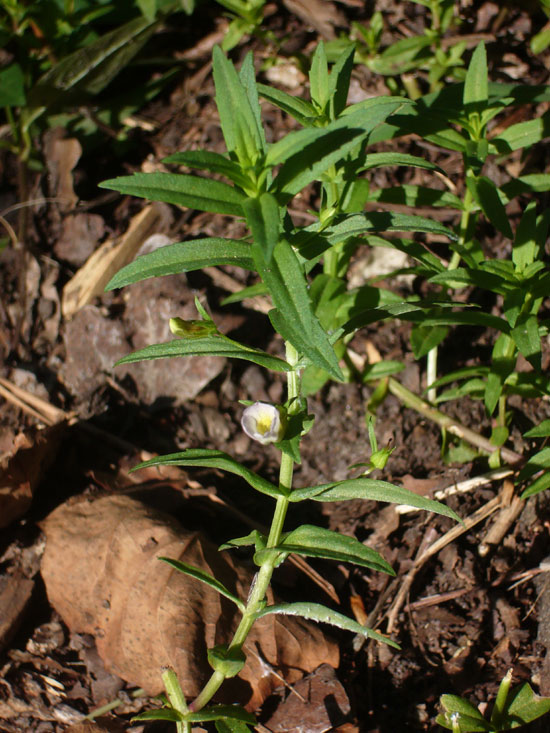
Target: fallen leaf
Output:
[(15, 594), (23, 467), (103, 576)]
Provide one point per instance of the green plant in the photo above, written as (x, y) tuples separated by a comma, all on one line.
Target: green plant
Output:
[(512, 709), (428, 51), (301, 269)]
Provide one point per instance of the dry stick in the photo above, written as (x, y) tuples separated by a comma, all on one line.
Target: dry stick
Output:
[(478, 516), (444, 421)]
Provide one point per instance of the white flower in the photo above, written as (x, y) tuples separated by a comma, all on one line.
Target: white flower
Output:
[(263, 423)]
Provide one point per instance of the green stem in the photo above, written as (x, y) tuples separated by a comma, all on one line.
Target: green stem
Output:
[(262, 580)]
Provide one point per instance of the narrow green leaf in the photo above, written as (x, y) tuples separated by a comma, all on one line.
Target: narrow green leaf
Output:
[(294, 317), (231, 726), (209, 161), (220, 712), (174, 259), (411, 195), (339, 80), (259, 541), (318, 78), (542, 430), (376, 160), (312, 541), (476, 86), (424, 338), (469, 718), (462, 277), (214, 459), (367, 488), (374, 372), (90, 68), (238, 121), (527, 338), (322, 614), (213, 345), (193, 192), (161, 714), (296, 107), (486, 195), (532, 183), (525, 245), (262, 217), (540, 484), (247, 78), (204, 577), (523, 134)]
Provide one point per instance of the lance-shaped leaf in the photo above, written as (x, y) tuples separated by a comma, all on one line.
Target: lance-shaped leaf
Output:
[(322, 614), (487, 196), (476, 86), (523, 706), (294, 317), (339, 80), (181, 189), (247, 77), (169, 714), (527, 338), (296, 107), (213, 345), (209, 161), (174, 259), (376, 160), (410, 195), (215, 459), (318, 78), (373, 489), (262, 217), (238, 121), (88, 69), (312, 541), (522, 135), (204, 577), (220, 712), (332, 144)]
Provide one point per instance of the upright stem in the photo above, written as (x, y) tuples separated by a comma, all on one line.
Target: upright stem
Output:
[(262, 580)]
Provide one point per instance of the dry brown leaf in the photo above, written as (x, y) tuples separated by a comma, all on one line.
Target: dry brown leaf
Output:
[(102, 575), (320, 14), (15, 594), (23, 467)]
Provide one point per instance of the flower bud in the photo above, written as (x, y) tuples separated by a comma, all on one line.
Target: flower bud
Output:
[(264, 422)]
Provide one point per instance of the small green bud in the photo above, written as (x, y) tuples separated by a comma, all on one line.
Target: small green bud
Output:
[(192, 329)]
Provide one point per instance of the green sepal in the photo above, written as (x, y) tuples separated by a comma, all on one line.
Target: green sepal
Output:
[(227, 662), (205, 578), (320, 613)]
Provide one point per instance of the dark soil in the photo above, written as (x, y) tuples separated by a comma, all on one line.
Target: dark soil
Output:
[(469, 615)]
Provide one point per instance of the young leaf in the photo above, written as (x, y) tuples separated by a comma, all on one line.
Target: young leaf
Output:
[(181, 189), (238, 121), (247, 78), (214, 459), (317, 612), (312, 541), (174, 259), (542, 430), (204, 577), (318, 78), (339, 80), (367, 488), (476, 89), (213, 345), (302, 111), (469, 718)]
